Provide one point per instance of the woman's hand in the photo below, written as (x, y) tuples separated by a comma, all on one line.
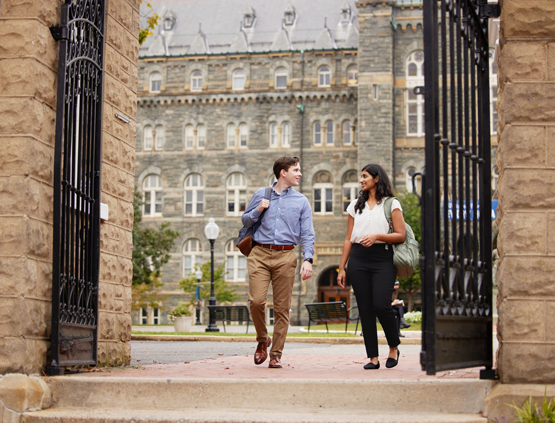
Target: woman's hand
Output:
[(369, 240), (341, 278)]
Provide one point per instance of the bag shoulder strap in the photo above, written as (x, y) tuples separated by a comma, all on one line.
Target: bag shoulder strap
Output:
[(267, 196), (388, 204)]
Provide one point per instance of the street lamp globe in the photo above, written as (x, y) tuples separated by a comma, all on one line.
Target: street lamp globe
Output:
[(198, 275), (211, 230)]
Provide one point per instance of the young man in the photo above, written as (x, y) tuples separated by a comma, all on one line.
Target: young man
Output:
[(287, 221)]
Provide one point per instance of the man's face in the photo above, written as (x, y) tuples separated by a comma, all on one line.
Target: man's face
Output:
[(292, 175)]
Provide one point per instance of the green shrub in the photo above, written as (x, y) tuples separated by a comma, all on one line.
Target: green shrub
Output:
[(413, 317), (528, 413)]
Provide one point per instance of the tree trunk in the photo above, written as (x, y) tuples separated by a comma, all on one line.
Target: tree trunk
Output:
[(409, 293)]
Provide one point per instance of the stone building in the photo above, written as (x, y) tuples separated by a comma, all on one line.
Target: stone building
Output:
[(225, 87)]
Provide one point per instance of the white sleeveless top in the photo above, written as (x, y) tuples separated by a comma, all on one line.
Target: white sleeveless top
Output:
[(370, 221)]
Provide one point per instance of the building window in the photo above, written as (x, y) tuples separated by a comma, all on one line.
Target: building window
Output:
[(156, 316), (347, 133), (239, 80), (346, 14), (494, 181), (493, 93), (201, 137), (196, 81), (235, 263), (415, 103), (189, 137), (236, 194), (375, 92), (286, 135), (272, 180), (324, 76), (355, 132), (350, 188), (243, 135), (352, 75), (159, 137), (323, 193), (317, 133), (194, 195), (273, 135), (281, 78), (155, 84), (148, 137), (270, 316), (144, 316), (152, 196), (231, 136), (191, 253), (329, 132)]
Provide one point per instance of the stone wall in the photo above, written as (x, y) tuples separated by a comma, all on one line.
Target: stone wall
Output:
[(28, 65), (526, 161)]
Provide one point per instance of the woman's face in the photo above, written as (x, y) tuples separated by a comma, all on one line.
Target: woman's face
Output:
[(367, 181)]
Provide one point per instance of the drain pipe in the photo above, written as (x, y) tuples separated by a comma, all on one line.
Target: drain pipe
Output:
[(300, 108), (393, 119)]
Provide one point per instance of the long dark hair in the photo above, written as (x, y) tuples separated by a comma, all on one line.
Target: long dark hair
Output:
[(383, 186)]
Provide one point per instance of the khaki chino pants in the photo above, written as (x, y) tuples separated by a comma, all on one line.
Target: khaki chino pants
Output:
[(277, 267)]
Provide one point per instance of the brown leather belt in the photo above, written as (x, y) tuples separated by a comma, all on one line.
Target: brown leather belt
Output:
[(277, 247)]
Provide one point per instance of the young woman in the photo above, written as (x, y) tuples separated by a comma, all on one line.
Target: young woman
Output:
[(371, 271)]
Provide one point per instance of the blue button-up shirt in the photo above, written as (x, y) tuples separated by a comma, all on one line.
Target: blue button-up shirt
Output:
[(287, 221)]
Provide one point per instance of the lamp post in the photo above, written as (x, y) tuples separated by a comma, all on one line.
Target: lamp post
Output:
[(198, 274), (212, 231)]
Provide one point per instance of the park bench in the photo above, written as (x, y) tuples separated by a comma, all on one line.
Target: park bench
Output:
[(330, 312), (231, 313)]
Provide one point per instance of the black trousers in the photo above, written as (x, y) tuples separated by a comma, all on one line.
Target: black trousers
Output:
[(372, 274)]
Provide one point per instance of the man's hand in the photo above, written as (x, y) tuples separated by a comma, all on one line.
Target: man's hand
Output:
[(264, 204), (306, 270)]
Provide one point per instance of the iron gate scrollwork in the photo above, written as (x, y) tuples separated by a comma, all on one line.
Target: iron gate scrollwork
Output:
[(456, 197), (76, 244)]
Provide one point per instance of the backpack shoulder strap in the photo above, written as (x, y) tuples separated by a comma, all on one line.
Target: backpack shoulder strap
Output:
[(268, 193), (388, 204)]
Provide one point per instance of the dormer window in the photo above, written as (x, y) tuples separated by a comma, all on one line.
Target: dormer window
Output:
[(346, 13), (289, 15), (169, 21), (248, 18)]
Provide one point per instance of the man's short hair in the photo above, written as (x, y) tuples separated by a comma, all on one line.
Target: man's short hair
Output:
[(284, 163)]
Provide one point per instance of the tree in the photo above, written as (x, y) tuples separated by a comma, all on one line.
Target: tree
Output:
[(224, 292), (411, 214), (151, 22), (151, 249)]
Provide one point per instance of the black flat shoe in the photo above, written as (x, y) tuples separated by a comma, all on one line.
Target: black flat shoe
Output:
[(391, 362), (372, 366), (401, 335)]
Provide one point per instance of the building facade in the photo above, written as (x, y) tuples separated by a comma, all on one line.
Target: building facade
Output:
[(218, 102)]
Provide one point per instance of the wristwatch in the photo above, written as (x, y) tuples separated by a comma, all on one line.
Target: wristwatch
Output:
[(309, 260)]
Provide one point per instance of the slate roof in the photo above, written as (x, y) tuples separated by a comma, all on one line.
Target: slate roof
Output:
[(217, 26)]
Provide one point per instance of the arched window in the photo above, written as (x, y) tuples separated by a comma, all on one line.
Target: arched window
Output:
[(273, 135), (352, 75), (286, 135), (329, 132), (152, 196), (148, 138), (324, 76), (350, 188), (236, 194), (201, 137), (191, 255), (323, 193), (493, 93), (231, 136), (415, 103), (239, 79), (235, 263), (243, 135), (196, 81), (189, 137), (155, 83), (317, 133), (408, 180), (272, 180), (281, 78), (347, 133), (159, 137), (194, 195)]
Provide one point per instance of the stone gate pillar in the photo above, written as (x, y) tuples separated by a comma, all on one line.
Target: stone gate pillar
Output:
[(526, 164)]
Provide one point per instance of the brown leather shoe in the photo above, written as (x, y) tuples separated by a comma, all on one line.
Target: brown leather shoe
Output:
[(261, 352), (275, 362)]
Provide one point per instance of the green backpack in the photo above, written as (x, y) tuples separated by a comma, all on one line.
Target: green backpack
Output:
[(405, 254)]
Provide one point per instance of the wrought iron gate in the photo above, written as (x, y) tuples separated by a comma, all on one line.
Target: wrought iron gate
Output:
[(456, 196), (77, 184)]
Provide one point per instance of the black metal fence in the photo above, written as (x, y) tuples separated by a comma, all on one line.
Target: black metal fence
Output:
[(77, 184), (456, 198)]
